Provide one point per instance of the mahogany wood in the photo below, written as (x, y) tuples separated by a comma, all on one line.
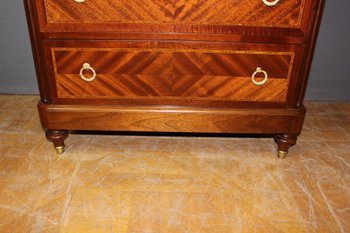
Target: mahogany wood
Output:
[(185, 67), (173, 66), (57, 137), (169, 119), (191, 16), (285, 141), (173, 74), (243, 12)]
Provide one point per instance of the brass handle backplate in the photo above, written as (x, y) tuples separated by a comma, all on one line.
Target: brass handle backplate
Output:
[(270, 3), (86, 66), (258, 71)]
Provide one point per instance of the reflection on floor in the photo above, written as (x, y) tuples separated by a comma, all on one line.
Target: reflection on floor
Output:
[(153, 184)]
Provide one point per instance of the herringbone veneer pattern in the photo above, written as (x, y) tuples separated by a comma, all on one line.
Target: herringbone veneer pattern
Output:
[(235, 12), (172, 74)]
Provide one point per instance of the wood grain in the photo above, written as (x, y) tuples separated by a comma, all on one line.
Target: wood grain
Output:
[(243, 12), (172, 74), (79, 117), (168, 19), (177, 68), (287, 22)]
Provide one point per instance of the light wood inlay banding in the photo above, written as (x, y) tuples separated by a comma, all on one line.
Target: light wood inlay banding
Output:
[(172, 74)]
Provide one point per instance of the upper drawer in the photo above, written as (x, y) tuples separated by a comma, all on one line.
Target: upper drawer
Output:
[(226, 12), (182, 16)]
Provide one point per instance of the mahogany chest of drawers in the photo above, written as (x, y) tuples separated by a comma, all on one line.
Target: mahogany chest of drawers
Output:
[(210, 66)]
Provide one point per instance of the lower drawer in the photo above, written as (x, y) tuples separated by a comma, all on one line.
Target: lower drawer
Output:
[(171, 71)]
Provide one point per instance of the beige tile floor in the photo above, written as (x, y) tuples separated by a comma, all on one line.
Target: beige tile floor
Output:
[(154, 184)]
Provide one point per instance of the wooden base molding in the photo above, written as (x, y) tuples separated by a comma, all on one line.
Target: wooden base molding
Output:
[(283, 122)]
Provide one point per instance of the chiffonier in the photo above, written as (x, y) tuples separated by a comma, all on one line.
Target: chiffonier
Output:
[(206, 66)]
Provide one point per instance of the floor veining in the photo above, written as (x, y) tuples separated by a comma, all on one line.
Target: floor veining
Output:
[(173, 184)]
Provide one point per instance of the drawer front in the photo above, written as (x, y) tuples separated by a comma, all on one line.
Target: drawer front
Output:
[(171, 74), (152, 14)]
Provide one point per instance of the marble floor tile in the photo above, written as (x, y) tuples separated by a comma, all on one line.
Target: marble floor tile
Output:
[(33, 193), (173, 184), (18, 102)]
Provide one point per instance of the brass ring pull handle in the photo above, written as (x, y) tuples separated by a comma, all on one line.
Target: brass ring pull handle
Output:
[(262, 82), (270, 3), (79, 1), (87, 66)]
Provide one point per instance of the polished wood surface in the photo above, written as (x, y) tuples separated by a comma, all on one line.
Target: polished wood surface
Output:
[(178, 66), (75, 117), (57, 137), (128, 73), (218, 74), (243, 12), (287, 20)]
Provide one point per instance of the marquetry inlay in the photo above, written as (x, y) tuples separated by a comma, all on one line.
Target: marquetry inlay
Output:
[(203, 66), (164, 73), (208, 12)]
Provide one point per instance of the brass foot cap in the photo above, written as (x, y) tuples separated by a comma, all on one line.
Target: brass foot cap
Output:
[(59, 149), (282, 154)]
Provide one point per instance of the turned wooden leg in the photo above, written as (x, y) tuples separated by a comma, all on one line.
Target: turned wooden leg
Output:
[(57, 137), (284, 141)]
